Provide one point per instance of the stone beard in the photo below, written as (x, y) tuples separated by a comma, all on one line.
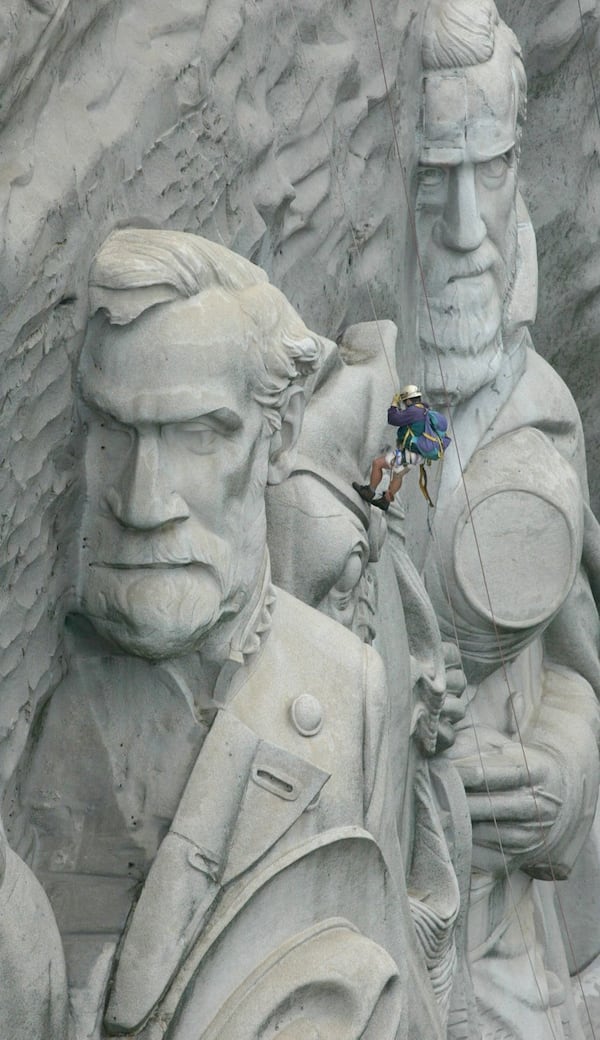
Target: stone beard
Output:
[(164, 611), (468, 315), (174, 526), (466, 219)]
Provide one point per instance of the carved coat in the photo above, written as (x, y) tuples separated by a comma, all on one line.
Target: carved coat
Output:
[(271, 875), (529, 626)]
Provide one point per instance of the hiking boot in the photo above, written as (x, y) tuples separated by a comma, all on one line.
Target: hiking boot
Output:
[(364, 491), (381, 503)]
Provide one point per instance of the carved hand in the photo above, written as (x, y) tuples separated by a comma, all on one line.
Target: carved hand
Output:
[(453, 710), (515, 797)]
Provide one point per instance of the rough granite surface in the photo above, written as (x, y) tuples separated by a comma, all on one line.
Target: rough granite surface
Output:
[(560, 180), (265, 126), (262, 126)]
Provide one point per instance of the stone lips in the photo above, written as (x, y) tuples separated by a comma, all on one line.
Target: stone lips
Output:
[(559, 175), (218, 119)]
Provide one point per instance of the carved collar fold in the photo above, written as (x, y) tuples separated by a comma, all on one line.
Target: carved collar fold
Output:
[(255, 622), (231, 647)]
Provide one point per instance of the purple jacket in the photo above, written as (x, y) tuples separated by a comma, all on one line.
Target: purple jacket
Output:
[(415, 413)]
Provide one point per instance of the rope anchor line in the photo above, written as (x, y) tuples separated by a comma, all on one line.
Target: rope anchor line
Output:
[(413, 230), (510, 693)]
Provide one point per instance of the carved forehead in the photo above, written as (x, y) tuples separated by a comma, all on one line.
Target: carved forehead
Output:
[(183, 344), (472, 108)]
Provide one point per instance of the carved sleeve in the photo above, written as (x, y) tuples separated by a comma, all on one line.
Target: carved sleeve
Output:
[(567, 726), (379, 798), (33, 997)]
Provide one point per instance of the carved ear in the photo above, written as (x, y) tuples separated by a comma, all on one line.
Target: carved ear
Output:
[(282, 451)]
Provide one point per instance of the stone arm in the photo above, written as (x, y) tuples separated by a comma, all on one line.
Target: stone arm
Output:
[(569, 724), (33, 994), (541, 398), (567, 728), (532, 806), (405, 416), (380, 813), (562, 762)]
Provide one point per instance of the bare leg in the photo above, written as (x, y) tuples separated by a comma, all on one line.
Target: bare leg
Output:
[(395, 485), (377, 467)]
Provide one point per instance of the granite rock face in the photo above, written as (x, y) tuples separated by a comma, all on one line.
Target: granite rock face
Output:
[(560, 174), (323, 143), (263, 127), (251, 882)]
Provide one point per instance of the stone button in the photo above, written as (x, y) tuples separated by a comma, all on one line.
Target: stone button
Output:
[(307, 715)]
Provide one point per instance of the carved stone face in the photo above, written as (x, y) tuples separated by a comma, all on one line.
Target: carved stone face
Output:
[(319, 549), (176, 465), (466, 215)]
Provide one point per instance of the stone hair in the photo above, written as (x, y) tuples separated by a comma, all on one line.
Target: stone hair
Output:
[(458, 33), (138, 268)]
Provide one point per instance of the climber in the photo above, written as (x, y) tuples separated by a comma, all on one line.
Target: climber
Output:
[(421, 438)]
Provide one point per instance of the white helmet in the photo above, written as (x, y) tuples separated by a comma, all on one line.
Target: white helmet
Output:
[(408, 392)]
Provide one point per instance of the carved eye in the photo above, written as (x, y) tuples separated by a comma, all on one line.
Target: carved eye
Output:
[(495, 170), (431, 176), (195, 437)]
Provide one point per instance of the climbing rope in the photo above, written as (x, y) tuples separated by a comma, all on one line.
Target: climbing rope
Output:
[(503, 664), (473, 722), (364, 281), (393, 377), (340, 190)]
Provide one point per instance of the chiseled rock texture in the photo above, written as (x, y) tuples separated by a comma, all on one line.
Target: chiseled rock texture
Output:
[(264, 126), (560, 180)]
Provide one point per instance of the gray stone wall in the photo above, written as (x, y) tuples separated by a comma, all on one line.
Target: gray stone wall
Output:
[(560, 180), (262, 126)]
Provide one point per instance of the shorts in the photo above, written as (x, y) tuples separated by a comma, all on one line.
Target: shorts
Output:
[(397, 460)]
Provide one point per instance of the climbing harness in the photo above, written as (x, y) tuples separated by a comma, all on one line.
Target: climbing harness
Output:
[(428, 445), (421, 273), (423, 477)]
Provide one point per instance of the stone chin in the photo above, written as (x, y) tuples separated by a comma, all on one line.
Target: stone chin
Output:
[(450, 377), (156, 614), (466, 316), (467, 353)]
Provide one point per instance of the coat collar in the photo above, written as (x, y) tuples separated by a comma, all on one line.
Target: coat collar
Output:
[(243, 794)]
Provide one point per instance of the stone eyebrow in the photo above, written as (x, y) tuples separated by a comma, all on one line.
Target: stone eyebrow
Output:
[(99, 410), (224, 418)]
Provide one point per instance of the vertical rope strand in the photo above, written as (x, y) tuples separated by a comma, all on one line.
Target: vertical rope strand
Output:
[(412, 222), (337, 178)]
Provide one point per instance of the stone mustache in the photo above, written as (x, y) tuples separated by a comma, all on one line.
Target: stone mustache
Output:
[(517, 543), (220, 850), (261, 827)]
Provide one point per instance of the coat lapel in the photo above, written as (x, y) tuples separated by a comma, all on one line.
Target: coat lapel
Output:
[(243, 794)]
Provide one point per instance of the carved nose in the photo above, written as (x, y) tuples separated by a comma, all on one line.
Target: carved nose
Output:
[(144, 501), (462, 226)]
